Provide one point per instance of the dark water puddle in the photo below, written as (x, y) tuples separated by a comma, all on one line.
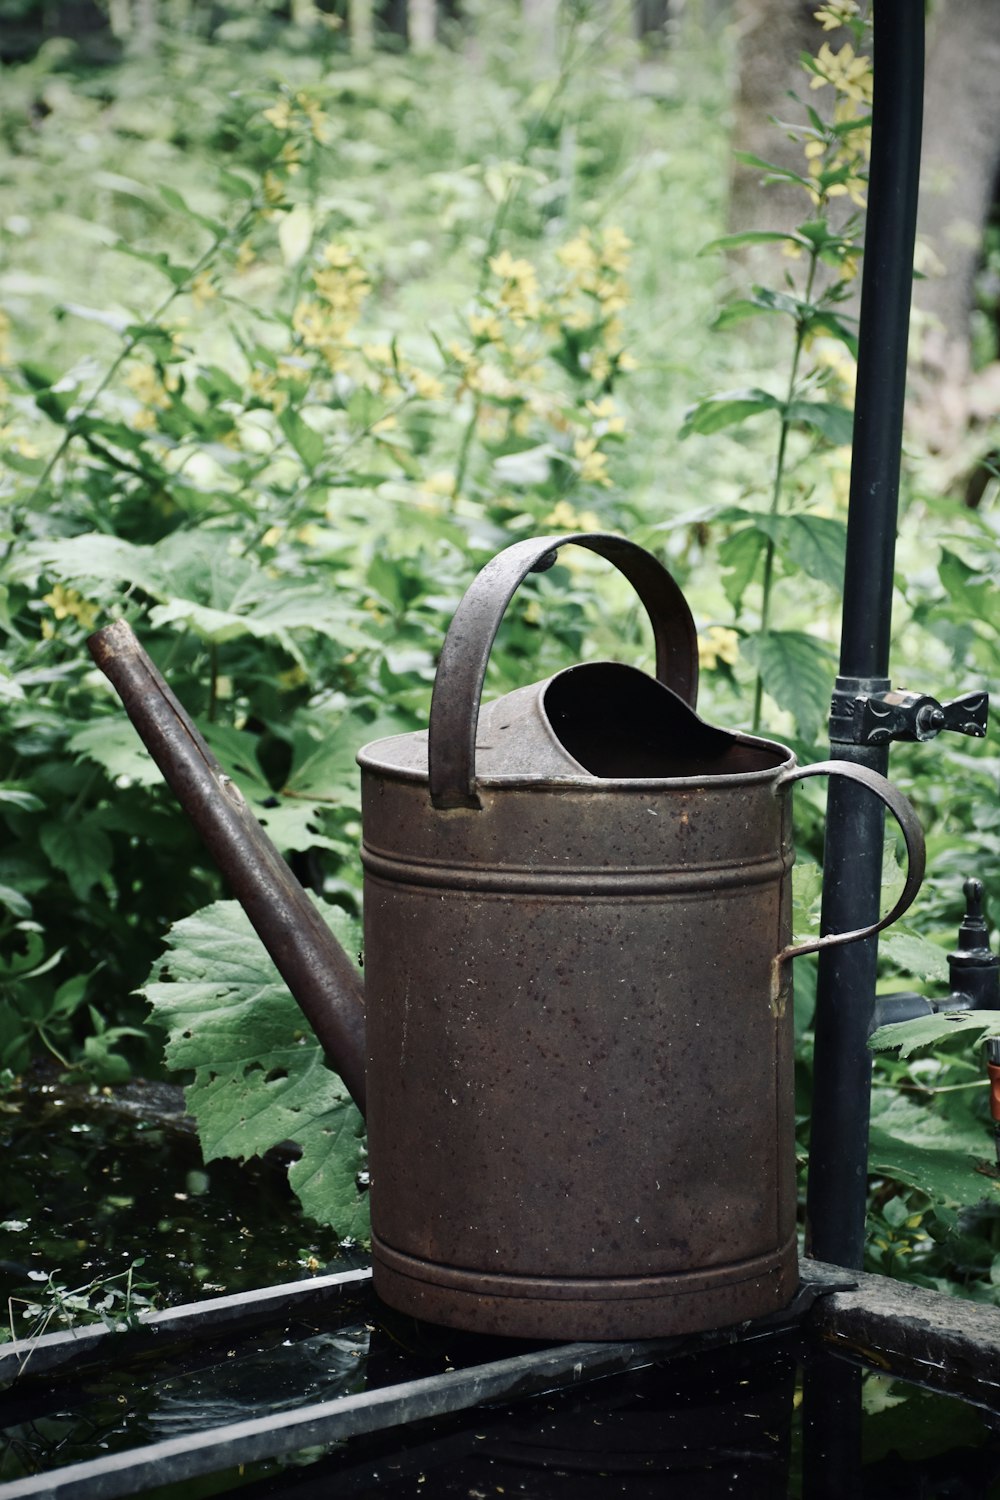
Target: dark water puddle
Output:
[(764, 1418), (95, 1180)]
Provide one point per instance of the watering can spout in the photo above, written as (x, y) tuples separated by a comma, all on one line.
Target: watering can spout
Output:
[(310, 960)]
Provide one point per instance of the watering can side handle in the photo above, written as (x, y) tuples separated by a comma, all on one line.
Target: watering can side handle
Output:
[(913, 837), (461, 670)]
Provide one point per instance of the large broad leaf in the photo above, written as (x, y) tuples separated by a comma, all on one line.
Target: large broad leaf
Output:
[(114, 744), (80, 849), (797, 670), (203, 585), (942, 1157), (259, 1076), (907, 1037), (914, 955)]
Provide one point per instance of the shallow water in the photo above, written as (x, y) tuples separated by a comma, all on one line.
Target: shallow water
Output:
[(93, 1180)]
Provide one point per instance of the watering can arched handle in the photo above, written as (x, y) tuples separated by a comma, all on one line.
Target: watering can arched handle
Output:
[(913, 837), (458, 685)]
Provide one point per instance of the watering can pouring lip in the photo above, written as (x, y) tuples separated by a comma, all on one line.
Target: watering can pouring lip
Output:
[(314, 966)]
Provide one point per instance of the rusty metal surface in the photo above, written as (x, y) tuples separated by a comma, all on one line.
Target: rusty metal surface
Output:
[(552, 1048), (312, 964), (577, 904)]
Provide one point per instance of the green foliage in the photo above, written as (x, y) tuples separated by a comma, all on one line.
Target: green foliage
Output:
[(318, 352), (259, 1077), (52, 1305)]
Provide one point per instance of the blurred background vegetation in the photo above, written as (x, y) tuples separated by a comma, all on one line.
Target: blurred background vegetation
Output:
[(307, 310)]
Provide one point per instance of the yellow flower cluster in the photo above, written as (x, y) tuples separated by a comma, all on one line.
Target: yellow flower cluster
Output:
[(151, 392), (837, 13), (850, 73), (323, 322), (399, 377), (519, 287), (597, 293), (718, 644), (67, 604), (300, 113), (844, 154)]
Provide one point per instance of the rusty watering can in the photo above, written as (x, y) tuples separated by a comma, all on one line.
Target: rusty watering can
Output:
[(577, 909)]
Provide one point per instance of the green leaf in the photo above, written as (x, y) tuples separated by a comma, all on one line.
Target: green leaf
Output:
[(914, 955), (115, 745), (835, 423), (773, 172), (813, 543), (80, 849), (17, 797), (726, 410), (911, 1144), (798, 672), (908, 1036), (174, 200), (972, 595), (739, 555), (753, 237), (178, 275), (15, 903), (259, 1077), (307, 442)]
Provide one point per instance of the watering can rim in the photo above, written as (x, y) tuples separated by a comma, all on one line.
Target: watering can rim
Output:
[(576, 775)]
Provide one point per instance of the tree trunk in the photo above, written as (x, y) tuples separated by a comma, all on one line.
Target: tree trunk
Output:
[(961, 163), (772, 35)]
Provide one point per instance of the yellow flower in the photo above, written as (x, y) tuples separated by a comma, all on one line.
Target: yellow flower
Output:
[(280, 115), (67, 604), (290, 157), (319, 121), (605, 414), (441, 482), (273, 189), (578, 255), (519, 292), (718, 644), (564, 517), (245, 257), (202, 290), (427, 387), (593, 463), (836, 13), (615, 247), (486, 328), (147, 387), (847, 72)]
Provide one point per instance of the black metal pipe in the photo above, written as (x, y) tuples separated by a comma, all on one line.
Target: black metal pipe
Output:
[(836, 1199)]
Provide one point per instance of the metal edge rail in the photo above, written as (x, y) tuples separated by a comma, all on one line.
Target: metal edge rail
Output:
[(214, 1315), (283, 1432)]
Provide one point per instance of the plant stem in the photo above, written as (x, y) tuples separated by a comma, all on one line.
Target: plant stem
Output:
[(779, 476), (133, 341)]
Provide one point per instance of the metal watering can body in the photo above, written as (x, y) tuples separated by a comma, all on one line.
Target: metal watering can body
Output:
[(577, 980), (577, 926)]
